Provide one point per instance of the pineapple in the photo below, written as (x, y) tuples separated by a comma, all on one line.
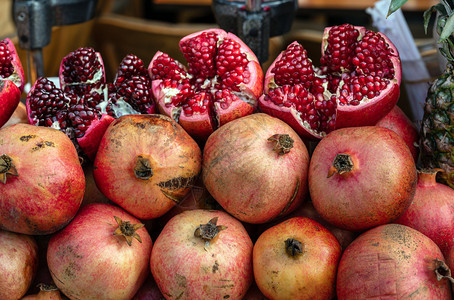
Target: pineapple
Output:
[(437, 126)]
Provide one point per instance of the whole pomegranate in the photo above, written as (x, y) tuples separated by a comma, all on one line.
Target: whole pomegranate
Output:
[(361, 177), (18, 264), (102, 254), (203, 254), (146, 164), (42, 181), (399, 122), (432, 210), (256, 168), (296, 259), (356, 84), (12, 80), (392, 261), (85, 104), (222, 82)]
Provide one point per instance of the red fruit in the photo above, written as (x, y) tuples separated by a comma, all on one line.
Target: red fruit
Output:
[(296, 259), (357, 83), (102, 254), (18, 264), (256, 168), (85, 105), (398, 121), (203, 254), (392, 262), (222, 82), (12, 80), (42, 181), (146, 164), (432, 210), (361, 177)]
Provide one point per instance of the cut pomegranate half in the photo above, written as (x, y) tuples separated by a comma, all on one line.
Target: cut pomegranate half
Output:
[(85, 104), (12, 80), (357, 83), (222, 82)]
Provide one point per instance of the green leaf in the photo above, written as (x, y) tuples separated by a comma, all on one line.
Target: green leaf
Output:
[(428, 13), (395, 5), (448, 29)]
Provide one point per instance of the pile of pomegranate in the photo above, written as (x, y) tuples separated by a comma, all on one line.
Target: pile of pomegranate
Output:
[(212, 180)]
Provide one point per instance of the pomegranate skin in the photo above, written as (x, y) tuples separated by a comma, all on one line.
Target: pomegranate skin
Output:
[(18, 264), (50, 183), (432, 211), (398, 121), (377, 185), (186, 267), (9, 100), (391, 261), (19, 115), (310, 274), (87, 261), (247, 176), (146, 164)]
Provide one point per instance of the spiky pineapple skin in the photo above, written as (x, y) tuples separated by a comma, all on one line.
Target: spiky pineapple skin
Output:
[(437, 127)]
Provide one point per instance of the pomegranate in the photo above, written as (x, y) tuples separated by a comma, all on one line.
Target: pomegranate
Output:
[(432, 210), (256, 168), (102, 254), (222, 82), (392, 261), (85, 104), (42, 181), (296, 259), (203, 254), (399, 122), (361, 177), (356, 84), (146, 164), (12, 80), (18, 264), (19, 115)]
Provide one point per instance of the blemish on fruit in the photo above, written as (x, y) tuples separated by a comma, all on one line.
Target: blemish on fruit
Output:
[(215, 266), (177, 183), (181, 280), (26, 138)]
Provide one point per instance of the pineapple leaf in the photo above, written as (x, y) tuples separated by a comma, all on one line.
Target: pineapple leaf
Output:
[(395, 5), (428, 13), (447, 29)]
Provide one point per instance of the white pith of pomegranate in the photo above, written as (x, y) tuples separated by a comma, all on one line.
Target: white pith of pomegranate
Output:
[(222, 82), (12, 80), (85, 104), (356, 84)]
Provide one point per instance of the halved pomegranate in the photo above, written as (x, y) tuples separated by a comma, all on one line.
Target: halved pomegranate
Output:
[(85, 104), (12, 80), (356, 84), (222, 82)]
